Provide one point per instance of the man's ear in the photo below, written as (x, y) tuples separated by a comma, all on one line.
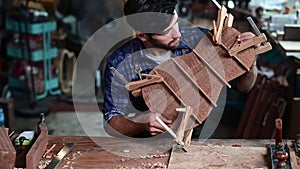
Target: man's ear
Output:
[(143, 37)]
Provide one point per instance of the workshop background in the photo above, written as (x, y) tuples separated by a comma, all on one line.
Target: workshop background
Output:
[(41, 40)]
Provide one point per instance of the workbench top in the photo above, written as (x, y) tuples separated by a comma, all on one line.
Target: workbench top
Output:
[(108, 152)]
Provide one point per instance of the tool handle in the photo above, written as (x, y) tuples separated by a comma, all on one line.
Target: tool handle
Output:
[(253, 25), (166, 127), (278, 126)]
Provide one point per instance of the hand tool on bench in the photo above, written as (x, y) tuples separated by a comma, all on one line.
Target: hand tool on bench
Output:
[(57, 160)]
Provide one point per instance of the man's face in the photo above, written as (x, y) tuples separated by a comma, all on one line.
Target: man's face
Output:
[(169, 38)]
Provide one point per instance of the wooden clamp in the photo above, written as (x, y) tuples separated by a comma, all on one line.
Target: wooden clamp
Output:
[(135, 87), (181, 137), (225, 19), (257, 40), (218, 27)]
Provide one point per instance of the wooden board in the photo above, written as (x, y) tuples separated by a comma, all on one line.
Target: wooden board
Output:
[(220, 157), (7, 150), (110, 153), (178, 89), (37, 150)]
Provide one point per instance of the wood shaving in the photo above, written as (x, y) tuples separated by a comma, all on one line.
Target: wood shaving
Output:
[(43, 164), (126, 151), (155, 156)]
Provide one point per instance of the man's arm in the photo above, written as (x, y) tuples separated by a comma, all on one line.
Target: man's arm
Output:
[(245, 82), (120, 125)]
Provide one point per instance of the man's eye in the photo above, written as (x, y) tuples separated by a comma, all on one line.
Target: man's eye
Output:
[(165, 32)]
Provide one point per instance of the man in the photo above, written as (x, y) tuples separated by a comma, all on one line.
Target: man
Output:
[(156, 40)]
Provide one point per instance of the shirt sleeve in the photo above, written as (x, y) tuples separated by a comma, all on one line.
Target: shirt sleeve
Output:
[(115, 98)]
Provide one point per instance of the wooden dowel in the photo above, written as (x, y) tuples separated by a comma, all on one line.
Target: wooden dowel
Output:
[(241, 63), (195, 83), (212, 70)]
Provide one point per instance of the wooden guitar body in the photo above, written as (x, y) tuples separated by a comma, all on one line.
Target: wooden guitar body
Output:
[(197, 78)]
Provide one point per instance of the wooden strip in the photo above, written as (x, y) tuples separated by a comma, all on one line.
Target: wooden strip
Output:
[(214, 30), (229, 20), (235, 49), (212, 69), (194, 82), (183, 124), (38, 148), (7, 151), (141, 83), (234, 56), (263, 49), (221, 17), (241, 63), (187, 140)]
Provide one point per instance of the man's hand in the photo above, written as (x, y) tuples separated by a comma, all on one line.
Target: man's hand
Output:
[(153, 126), (247, 80), (245, 36)]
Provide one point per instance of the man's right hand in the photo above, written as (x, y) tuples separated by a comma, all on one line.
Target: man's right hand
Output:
[(153, 126)]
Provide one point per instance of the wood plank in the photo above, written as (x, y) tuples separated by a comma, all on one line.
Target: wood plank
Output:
[(108, 152), (225, 156), (38, 148), (7, 150)]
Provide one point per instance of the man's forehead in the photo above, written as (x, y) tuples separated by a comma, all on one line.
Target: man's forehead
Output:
[(173, 20)]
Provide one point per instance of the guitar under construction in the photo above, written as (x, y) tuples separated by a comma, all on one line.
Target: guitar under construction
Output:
[(188, 87)]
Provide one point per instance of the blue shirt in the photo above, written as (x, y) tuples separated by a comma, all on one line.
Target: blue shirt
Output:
[(117, 99)]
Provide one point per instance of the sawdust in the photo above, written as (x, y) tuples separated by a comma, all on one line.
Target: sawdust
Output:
[(149, 162), (220, 157)]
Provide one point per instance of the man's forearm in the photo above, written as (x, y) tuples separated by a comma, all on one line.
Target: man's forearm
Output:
[(245, 82), (120, 125)]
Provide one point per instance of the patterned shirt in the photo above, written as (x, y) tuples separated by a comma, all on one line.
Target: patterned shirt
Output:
[(126, 59)]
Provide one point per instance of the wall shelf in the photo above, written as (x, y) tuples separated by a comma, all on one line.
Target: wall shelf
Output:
[(44, 55)]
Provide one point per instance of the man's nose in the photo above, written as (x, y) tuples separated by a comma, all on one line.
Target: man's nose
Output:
[(175, 32)]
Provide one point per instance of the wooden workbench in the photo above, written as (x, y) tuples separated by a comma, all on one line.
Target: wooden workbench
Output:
[(107, 152), (102, 152)]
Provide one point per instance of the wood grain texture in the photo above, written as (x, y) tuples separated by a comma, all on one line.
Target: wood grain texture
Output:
[(7, 151), (106, 152), (96, 152), (38, 148), (221, 157), (178, 89)]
